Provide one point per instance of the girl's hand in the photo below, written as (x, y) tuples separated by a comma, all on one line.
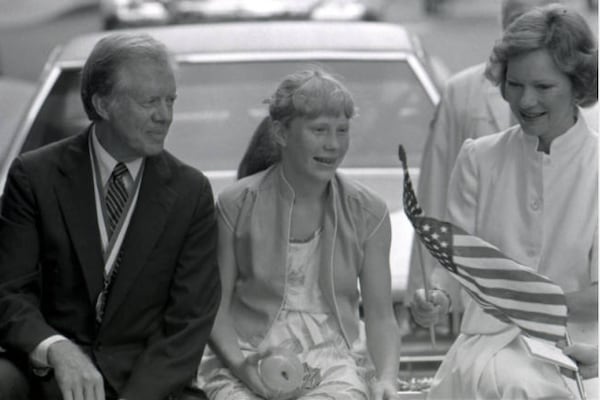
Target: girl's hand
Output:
[(247, 372), (429, 309), (385, 390)]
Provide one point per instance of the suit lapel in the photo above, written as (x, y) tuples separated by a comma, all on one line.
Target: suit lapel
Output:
[(497, 107), (154, 201), (75, 193)]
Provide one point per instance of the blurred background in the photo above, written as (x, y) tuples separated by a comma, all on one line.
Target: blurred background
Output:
[(459, 33)]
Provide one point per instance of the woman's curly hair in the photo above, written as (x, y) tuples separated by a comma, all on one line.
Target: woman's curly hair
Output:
[(561, 31)]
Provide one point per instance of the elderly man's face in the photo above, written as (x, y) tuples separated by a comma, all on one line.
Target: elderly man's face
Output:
[(140, 109)]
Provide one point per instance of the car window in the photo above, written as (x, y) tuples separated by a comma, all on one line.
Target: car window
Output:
[(61, 113), (14, 100), (220, 104)]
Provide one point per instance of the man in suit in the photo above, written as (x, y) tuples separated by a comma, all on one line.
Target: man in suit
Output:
[(108, 276), (470, 107)]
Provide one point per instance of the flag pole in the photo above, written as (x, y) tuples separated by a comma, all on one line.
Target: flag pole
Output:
[(428, 297), (578, 378), (427, 293)]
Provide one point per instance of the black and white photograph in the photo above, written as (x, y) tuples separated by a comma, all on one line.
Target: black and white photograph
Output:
[(299, 199)]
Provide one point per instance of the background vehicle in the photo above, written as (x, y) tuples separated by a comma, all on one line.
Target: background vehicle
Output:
[(127, 13), (227, 70), (122, 13)]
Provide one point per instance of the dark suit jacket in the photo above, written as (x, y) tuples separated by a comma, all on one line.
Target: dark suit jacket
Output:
[(160, 311)]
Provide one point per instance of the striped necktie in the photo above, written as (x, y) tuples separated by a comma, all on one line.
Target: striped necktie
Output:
[(116, 197)]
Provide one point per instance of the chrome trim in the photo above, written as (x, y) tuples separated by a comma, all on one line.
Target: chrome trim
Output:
[(225, 173), (292, 56), (379, 171), (220, 174), (422, 358), (70, 64), (424, 78), (253, 55)]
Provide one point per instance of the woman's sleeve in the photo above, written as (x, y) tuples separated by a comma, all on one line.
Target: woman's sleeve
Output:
[(463, 188)]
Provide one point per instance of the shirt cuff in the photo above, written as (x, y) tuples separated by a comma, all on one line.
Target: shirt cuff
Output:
[(39, 355)]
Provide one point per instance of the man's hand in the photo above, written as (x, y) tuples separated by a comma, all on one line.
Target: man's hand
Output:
[(428, 309), (76, 375)]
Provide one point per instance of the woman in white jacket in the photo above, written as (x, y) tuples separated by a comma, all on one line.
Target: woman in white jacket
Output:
[(531, 191)]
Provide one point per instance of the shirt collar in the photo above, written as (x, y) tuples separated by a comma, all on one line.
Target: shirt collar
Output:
[(106, 162), (572, 139)]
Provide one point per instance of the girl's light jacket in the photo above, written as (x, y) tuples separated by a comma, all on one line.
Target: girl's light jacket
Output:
[(258, 211)]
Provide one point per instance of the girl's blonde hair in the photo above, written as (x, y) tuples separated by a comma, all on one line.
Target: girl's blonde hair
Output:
[(310, 93)]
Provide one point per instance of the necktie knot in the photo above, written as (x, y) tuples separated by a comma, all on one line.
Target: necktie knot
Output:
[(119, 171)]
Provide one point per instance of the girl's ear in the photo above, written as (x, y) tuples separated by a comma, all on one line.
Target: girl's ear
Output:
[(279, 133)]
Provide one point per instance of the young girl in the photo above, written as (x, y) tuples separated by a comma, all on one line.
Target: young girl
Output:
[(294, 240)]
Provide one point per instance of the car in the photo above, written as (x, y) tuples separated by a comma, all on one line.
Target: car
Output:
[(226, 71), (128, 13), (235, 10)]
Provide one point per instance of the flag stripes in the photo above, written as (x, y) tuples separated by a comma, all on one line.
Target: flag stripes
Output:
[(488, 267), (511, 300), (549, 332), (505, 289), (525, 292)]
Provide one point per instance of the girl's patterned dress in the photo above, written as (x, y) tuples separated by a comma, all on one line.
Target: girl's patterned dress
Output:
[(305, 326)]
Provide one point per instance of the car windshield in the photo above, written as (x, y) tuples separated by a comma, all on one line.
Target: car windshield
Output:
[(220, 104)]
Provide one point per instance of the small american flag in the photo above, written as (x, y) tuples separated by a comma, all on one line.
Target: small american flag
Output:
[(505, 289)]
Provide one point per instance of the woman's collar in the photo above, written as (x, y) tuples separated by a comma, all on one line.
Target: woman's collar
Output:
[(571, 139)]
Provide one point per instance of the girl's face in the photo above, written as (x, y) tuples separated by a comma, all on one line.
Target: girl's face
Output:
[(540, 95), (313, 148)]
